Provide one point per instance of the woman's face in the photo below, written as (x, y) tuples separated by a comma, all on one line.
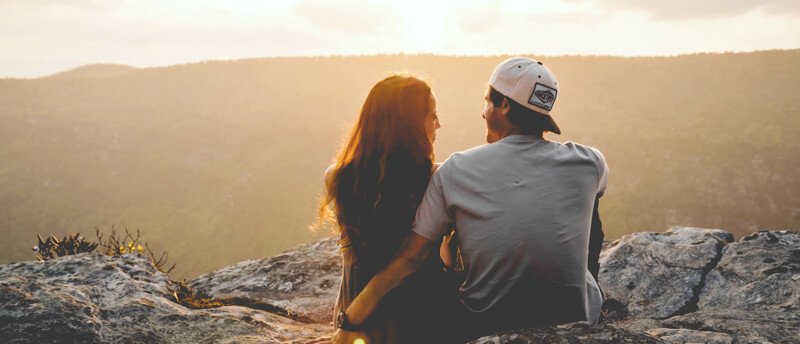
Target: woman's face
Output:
[(432, 120)]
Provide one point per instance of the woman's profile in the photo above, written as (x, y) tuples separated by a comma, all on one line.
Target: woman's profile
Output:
[(373, 189)]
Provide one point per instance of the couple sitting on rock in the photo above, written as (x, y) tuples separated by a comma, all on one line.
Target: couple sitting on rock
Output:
[(521, 209)]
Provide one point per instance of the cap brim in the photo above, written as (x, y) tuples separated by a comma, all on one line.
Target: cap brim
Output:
[(553, 126)]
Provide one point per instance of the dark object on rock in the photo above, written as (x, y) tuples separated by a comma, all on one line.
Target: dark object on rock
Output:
[(612, 310)]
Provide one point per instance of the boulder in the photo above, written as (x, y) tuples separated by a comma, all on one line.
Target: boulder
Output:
[(658, 275), (303, 281), (93, 298), (759, 272), (677, 336), (568, 334), (741, 326), (684, 285)]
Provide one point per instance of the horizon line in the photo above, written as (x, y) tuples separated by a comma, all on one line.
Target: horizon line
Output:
[(385, 54)]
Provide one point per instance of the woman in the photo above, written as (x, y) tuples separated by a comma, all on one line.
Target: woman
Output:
[(374, 187)]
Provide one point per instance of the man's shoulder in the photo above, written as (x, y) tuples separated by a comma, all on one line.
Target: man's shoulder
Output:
[(584, 150), (472, 154)]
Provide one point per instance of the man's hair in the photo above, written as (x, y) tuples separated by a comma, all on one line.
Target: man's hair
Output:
[(529, 121)]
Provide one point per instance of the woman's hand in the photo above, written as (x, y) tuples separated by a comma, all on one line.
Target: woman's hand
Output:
[(349, 337)]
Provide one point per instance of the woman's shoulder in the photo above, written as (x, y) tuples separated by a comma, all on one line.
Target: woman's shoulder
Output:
[(329, 172)]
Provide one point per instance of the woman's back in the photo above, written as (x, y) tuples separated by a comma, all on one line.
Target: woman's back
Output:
[(375, 186), (375, 215), (377, 212)]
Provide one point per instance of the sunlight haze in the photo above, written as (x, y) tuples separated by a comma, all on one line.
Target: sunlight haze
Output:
[(44, 37)]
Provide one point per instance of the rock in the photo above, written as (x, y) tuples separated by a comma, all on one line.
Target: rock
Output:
[(569, 333), (303, 281), (685, 285), (756, 273), (96, 298), (671, 335), (658, 275), (742, 326)]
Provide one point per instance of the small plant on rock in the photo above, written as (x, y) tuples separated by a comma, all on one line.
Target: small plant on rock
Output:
[(116, 245), (113, 245), (70, 244)]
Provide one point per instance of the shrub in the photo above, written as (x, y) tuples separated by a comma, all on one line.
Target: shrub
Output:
[(70, 244), (113, 245)]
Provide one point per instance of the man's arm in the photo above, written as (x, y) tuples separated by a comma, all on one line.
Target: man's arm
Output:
[(595, 241), (413, 253)]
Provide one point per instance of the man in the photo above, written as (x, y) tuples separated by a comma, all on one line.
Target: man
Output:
[(522, 207)]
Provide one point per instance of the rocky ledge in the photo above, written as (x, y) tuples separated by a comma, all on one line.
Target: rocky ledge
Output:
[(683, 285)]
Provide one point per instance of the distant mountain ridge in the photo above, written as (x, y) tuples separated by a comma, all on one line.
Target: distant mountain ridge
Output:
[(235, 150), (96, 70)]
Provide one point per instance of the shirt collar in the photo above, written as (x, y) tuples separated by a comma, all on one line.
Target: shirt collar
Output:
[(521, 139)]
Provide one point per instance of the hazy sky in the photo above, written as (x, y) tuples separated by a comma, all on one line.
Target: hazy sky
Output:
[(40, 37)]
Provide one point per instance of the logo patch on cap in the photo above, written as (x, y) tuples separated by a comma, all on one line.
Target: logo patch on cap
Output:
[(543, 96)]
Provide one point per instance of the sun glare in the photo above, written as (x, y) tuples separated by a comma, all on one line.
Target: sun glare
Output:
[(423, 25)]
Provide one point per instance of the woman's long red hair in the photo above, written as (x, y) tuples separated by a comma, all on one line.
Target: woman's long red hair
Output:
[(390, 131)]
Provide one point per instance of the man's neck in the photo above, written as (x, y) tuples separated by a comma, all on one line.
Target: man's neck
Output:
[(518, 131)]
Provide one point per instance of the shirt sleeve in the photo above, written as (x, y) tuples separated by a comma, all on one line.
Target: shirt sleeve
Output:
[(433, 220), (602, 168)]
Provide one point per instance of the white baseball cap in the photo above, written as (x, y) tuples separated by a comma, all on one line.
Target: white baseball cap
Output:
[(529, 83)]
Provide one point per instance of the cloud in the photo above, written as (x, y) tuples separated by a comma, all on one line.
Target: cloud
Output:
[(694, 9), (479, 17), (357, 16), (78, 4)]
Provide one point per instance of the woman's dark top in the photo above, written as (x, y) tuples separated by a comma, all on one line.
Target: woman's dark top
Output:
[(373, 229)]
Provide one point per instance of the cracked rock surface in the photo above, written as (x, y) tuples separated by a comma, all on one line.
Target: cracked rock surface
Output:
[(761, 272), (569, 333), (303, 281), (93, 298), (683, 285), (753, 293), (657, 275)]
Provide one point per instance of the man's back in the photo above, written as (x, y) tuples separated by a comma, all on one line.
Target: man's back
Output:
[(522, 208)]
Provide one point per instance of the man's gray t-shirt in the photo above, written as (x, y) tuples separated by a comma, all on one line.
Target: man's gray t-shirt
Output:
[(521, 207)]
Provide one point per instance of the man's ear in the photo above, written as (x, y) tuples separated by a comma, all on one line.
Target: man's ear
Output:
[(505, 107)]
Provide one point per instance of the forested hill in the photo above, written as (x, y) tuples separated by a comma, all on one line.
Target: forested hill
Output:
[(222, 161)]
